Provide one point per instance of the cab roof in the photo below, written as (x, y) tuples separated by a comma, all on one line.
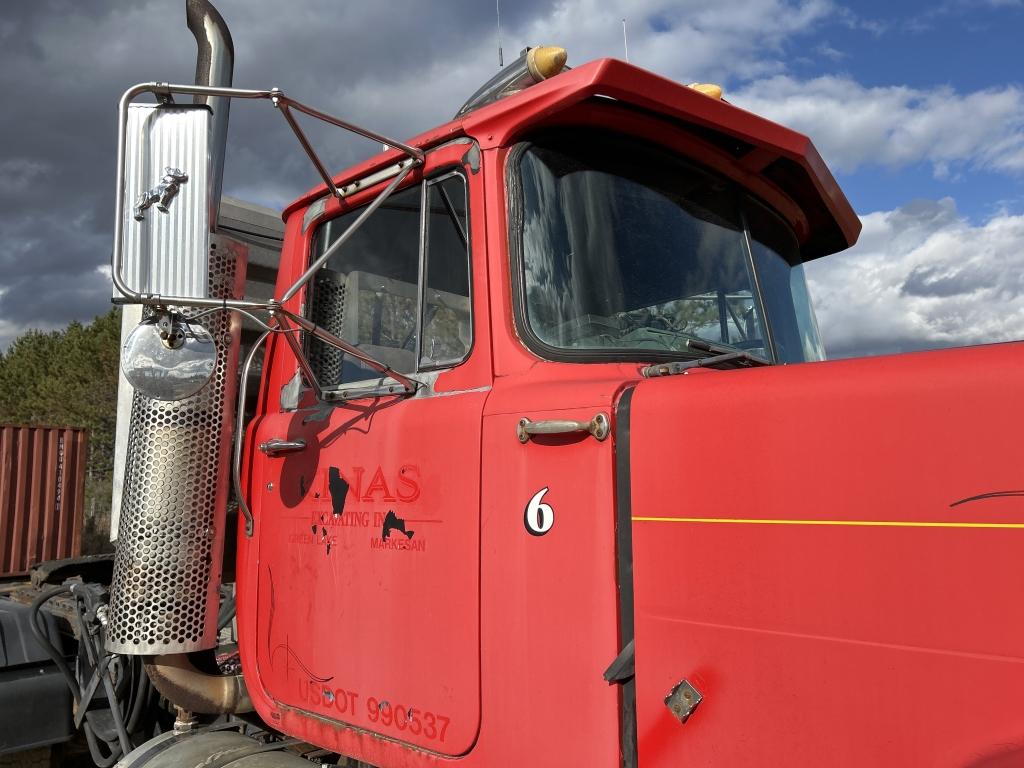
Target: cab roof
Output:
[(785, 159)]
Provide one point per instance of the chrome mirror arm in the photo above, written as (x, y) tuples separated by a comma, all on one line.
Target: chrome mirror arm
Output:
[(285, 104), (336, 245), (307, 369), (410, 385)]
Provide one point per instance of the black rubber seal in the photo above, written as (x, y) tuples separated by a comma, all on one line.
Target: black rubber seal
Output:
[(624, 569)]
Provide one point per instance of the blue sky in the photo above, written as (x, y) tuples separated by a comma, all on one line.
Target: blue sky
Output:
[(968, 46), (917, 107)]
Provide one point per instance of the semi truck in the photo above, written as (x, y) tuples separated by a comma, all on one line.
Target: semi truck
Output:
[(543, 463)]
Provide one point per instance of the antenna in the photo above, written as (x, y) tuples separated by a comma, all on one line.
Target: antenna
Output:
[(497, 9), (625, 43)]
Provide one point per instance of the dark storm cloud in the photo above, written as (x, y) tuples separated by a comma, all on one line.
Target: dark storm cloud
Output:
[(939, 282), (56, 163), (397, 67)]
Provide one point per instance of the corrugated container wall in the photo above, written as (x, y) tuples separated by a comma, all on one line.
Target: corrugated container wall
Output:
[(42, 488)]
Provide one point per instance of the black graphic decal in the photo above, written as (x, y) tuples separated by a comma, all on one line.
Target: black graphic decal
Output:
[(339, 490), (992, 495), (324, 537), (394, 523), (295, 657)]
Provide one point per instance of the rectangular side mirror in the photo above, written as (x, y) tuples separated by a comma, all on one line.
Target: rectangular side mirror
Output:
[(168, 205)]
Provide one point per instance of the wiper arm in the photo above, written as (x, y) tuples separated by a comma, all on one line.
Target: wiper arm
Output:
[(718, 349), (714, 356)]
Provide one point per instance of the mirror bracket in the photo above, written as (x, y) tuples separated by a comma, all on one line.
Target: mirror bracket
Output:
[(164, 93)]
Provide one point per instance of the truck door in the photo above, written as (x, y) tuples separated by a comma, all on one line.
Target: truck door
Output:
[(550, 618), (368, 599)]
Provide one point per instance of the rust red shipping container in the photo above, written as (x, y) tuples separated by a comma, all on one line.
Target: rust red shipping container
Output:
[(42, 487)]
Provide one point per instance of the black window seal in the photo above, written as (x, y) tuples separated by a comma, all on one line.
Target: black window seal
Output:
[(755, 276)]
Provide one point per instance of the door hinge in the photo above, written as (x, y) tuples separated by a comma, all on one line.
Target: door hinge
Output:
[(683, 700)]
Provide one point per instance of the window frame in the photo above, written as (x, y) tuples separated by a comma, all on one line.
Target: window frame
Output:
[(425, 272), (368, 386)]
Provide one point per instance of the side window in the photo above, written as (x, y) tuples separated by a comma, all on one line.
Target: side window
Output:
[(369, 292), (446, 327)]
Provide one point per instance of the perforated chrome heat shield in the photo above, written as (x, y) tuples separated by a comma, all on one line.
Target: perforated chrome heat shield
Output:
[(328, 312), (167, 569)]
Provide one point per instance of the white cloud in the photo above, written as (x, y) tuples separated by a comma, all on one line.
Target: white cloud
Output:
[(830, 53), (896, 126), (922, 276), (684, 41)]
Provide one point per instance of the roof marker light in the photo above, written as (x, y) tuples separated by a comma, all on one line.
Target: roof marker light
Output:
[(708, 89), (545, 61), (534, 65)]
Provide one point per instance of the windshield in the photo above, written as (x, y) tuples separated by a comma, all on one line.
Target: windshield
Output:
[(628, 252)]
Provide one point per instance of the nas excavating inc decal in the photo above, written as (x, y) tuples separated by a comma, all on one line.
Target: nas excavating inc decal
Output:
[(353, 499)]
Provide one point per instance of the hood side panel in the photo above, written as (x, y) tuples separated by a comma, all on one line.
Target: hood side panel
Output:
[(832, 554)]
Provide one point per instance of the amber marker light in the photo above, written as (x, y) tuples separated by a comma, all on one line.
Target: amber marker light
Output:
[(545, 61), (708, 89)]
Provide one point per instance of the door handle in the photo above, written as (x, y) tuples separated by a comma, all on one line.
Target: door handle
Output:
[(597, 426), (276, 445)]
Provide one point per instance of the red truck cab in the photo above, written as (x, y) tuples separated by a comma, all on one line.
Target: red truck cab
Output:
[(575, 545)]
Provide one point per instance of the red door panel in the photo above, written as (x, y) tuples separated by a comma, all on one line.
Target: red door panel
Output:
[(550, 624), (369, 568), (833, 555)]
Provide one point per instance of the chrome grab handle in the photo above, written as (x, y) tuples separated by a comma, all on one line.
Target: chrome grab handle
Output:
[(236, 460), (597, 426), (276, 445)]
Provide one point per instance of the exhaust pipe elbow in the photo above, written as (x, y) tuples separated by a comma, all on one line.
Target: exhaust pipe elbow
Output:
[(182, 684), (215, 59), (215, 65)]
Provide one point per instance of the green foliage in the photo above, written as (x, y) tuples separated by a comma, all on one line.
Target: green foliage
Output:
[(66, 378)]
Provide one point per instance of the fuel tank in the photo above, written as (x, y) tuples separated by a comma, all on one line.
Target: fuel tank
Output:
[(203, 749), (829, 558)]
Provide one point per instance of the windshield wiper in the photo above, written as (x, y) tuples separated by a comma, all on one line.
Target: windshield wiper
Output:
[(713, 356)]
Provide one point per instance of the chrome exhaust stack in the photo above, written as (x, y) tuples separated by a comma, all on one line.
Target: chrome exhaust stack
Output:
[(215, 65), (164, 597)]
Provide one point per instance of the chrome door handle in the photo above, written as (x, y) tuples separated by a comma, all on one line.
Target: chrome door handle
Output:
[(597, 426), (276, 445)]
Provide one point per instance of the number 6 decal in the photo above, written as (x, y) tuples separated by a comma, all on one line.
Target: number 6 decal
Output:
[(538, 517)]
